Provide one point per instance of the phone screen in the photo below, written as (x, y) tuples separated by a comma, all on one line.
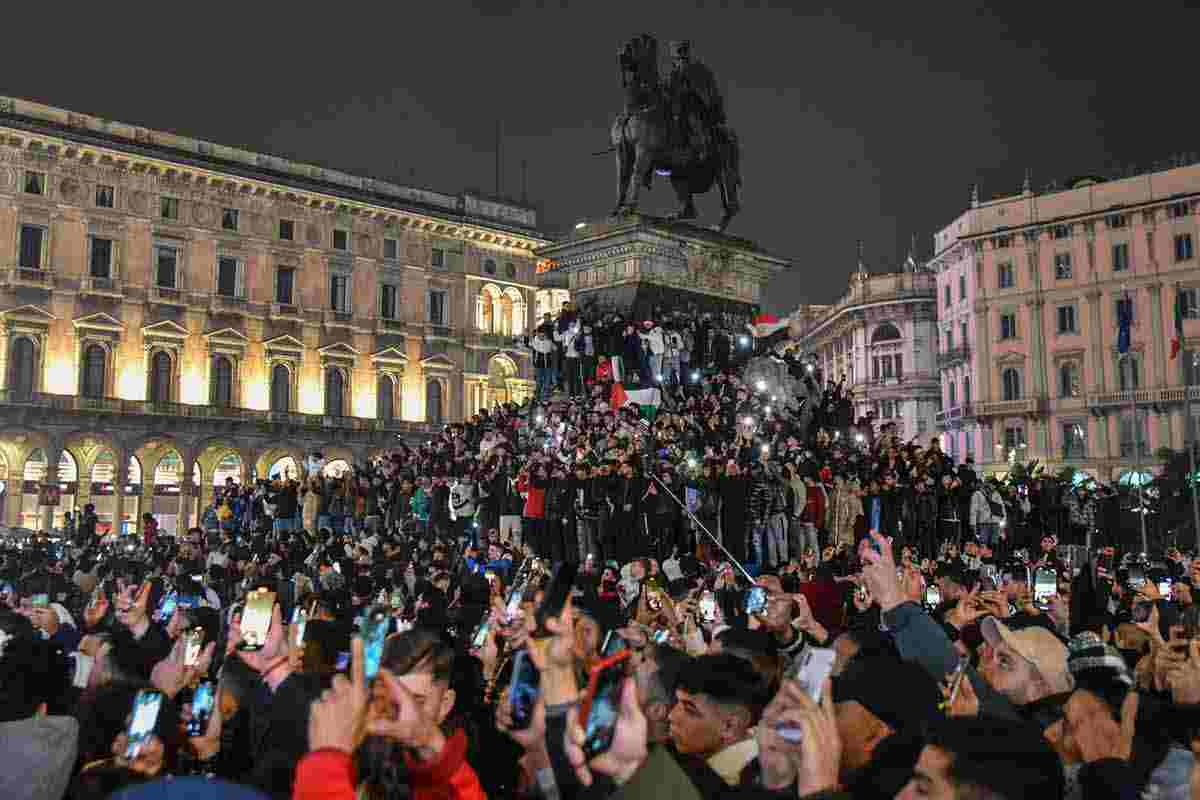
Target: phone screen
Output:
[(374, 632), (1164, 588), (193, 646), (40, 600), (603, 704), (343, 661), (708, 607), (298, 624), (256, 619), (524, 690), (203, 700), (166, 609), (513, 609), (933, 596), (756, 600), (145, 716), (875, 515), (811, 668), (1045, 584)]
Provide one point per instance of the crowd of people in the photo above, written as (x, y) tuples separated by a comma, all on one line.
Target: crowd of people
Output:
[(738, 590)]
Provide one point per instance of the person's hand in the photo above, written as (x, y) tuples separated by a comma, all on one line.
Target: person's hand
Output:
[(966, 703), (410, 726), (1058, 608), (879, 571), (1150, 626), (804, 619), (1098, 736), (995, 603), (149, 759), (532, 738), (628, 750), (96, 610), (169, 676), (812, 760), (131, 608), (337, 721), (208, 744)]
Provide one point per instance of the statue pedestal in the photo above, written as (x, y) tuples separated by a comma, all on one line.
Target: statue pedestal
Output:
[(638, 264)]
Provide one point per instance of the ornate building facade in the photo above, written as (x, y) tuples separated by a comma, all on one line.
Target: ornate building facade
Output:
[(176, 312), (1044, 274), (880, 337)]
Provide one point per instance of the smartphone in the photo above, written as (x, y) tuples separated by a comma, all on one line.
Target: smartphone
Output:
[(1045, 584), (1137, 576), (875, 517), (40, 601), (146, 706), (298, 624), (1164, 588), (256, 619), (343, 661), (193, 646), (524, 690), (956, 679), (375, 628), (480, 637), (810, 669), (203, 701), (166, 609), (558, 592), (397, 599), (756, 601), (933, 596), (513, 609), (708, 607), (602, 704)]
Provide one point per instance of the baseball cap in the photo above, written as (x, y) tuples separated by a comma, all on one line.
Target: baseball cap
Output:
[(1036, 645)]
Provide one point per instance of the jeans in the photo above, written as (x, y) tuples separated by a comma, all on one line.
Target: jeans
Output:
[(776, 544), (545, 382), (802, 537), (324, 521), (757, 535)]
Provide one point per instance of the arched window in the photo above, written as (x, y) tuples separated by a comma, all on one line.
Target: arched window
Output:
[(1011, 379), (281, 388), (94, 364), (433, 402), (1068, 379), (222, 382), (385, 402), (160, 378), (885, 333), (335, 388), (22, 365)]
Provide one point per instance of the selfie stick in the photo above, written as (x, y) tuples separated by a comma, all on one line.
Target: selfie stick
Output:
[(693, 518)]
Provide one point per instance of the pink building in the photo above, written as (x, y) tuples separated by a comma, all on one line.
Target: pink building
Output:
[(1038, 374)]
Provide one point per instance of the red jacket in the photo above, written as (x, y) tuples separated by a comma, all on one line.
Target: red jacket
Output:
[(329, 775), (814, 506), (535, 498)]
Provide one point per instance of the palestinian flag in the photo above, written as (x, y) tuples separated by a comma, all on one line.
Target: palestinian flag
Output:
[(647, 401), (765, 325), (1177, 339)]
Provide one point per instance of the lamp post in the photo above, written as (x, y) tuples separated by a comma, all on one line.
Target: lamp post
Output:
[(1190, 440), (1137, 451)]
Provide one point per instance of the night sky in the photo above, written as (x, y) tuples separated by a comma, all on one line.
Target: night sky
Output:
[(869, 120)]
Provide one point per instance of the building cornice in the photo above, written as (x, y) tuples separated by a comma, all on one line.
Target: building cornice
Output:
[(162, 155)]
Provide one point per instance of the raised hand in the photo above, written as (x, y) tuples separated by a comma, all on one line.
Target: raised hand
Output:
[(337, 720)]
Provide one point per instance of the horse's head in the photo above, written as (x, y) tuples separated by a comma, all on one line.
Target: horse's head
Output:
[(639, 62)]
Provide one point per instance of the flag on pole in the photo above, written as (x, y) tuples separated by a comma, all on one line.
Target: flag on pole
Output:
[(766, 324), (1177, 339), (647, 401), (1124, 321)]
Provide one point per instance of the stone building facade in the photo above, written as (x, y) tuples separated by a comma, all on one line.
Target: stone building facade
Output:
[(880, 337), (1044, 276), (175, 312)]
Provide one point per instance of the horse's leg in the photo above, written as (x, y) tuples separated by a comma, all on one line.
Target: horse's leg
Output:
[(683, 192), (640, 174), (624, 171)]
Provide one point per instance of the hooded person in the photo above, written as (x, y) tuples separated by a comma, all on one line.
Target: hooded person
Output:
[(37, 744)]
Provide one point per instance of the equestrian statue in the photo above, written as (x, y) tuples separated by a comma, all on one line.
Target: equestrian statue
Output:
[(674, 128)]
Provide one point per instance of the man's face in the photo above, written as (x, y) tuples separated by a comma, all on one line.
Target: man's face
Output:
[(1007, 671), (931, 778), (697, 725), (860, 731)]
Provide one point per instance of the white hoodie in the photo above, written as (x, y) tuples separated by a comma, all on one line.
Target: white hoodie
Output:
[(462, 500), (655, 338)]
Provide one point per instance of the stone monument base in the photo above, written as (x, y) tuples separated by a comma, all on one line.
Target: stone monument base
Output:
[(640, 266)]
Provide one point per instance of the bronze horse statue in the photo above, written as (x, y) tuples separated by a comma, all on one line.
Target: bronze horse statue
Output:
[(643, 137)]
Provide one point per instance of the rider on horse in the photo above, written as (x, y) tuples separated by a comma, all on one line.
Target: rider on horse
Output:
[(697, 109)]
